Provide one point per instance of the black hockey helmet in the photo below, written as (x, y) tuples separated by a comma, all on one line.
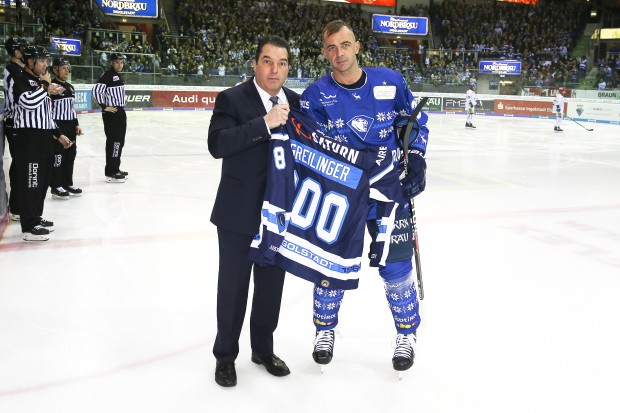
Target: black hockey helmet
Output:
[(15, 43), (117, 56), (35, 52), (59, 61)]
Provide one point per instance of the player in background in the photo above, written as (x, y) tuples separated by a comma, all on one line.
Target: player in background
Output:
[(109, 91), (63, 113), (470, 104), (362, 106), (15, 48), (558, 109)]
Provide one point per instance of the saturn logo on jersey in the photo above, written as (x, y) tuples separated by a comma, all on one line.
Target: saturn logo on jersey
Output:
[(360, 125)]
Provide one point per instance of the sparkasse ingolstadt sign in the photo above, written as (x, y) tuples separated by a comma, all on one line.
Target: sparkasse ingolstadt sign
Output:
[(406, 25), (129, 8)]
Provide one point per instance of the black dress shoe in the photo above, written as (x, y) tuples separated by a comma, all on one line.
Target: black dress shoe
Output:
[(225, 374), (273, 364)]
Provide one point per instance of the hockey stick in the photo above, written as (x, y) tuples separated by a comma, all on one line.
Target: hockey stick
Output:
[(589, 130), (404, 137)]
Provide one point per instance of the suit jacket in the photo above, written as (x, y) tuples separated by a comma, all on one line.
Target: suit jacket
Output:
[(239, 136)]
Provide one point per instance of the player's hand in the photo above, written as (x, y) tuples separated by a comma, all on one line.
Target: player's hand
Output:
[(415, 180), (277, 116), (110, 109)]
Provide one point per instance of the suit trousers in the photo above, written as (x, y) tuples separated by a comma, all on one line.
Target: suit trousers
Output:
[(232, 297), (115, 127)]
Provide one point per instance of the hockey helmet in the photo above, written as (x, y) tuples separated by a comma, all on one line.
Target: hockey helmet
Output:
[(59, 61), (35, 52), (15, 43), (472, 84), (117, 56)]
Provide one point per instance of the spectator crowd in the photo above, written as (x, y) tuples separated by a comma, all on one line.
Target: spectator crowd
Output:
[(216, 39)]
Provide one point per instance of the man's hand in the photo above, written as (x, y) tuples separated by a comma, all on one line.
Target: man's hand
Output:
[(277, 116), (55, 89), (415, 180), (78, 130), (64, 141), (111, 109)]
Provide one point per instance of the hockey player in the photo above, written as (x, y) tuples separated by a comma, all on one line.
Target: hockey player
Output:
[(15, 48), (35, 129), (558, 108), (470, 104), (361, 106), (63, 113), (109, 91)]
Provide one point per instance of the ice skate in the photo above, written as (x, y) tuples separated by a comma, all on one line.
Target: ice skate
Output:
[(116, 178), (60, 193), (404, 353), (36, 233), (74, 191), (323, 348)]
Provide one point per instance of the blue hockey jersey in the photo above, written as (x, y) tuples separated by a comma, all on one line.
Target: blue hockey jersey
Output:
[(385, 96), (316, 203)]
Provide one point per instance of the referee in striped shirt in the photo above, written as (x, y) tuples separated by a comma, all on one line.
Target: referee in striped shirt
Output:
[(63, 113), (35, 130), (109, 91), (15, 46)]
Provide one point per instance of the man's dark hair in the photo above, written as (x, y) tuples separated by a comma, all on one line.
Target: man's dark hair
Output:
[(276, 41)]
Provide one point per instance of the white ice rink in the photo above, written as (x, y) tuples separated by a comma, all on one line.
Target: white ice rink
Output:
[(520, 244)]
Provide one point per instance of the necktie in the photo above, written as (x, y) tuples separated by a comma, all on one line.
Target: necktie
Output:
[(273, 100)]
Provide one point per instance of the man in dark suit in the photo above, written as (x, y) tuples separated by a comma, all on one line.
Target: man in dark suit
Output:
[(239, 135)]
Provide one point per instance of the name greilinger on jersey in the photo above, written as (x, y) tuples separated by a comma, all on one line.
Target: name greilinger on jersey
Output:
[(323, 164)]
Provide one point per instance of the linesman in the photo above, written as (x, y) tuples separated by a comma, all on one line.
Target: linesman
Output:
[(15, 47), (109, 91), (35, 131), (63, 113)]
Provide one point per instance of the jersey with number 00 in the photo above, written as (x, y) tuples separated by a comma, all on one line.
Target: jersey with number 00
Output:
[(316, 202)]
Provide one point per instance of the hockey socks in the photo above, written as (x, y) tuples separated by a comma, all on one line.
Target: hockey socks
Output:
[(402, 298), (327, 303)]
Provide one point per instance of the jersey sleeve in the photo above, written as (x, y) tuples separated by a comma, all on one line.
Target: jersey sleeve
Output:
[(385, 189)]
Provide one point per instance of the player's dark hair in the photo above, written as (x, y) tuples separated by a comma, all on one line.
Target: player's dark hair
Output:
[(276, 41), (334, 26)]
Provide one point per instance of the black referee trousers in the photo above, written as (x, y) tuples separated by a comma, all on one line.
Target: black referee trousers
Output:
[(34, 168), (64, 159), (115, 127), (14, 150)]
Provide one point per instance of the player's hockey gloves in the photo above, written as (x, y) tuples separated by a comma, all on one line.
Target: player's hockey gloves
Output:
[(414, 181)]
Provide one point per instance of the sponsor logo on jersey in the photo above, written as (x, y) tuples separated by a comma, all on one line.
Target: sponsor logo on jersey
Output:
[(384, 92), (327, 100), (33, 83), (115, 78), (304, 104), (360, 125)]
